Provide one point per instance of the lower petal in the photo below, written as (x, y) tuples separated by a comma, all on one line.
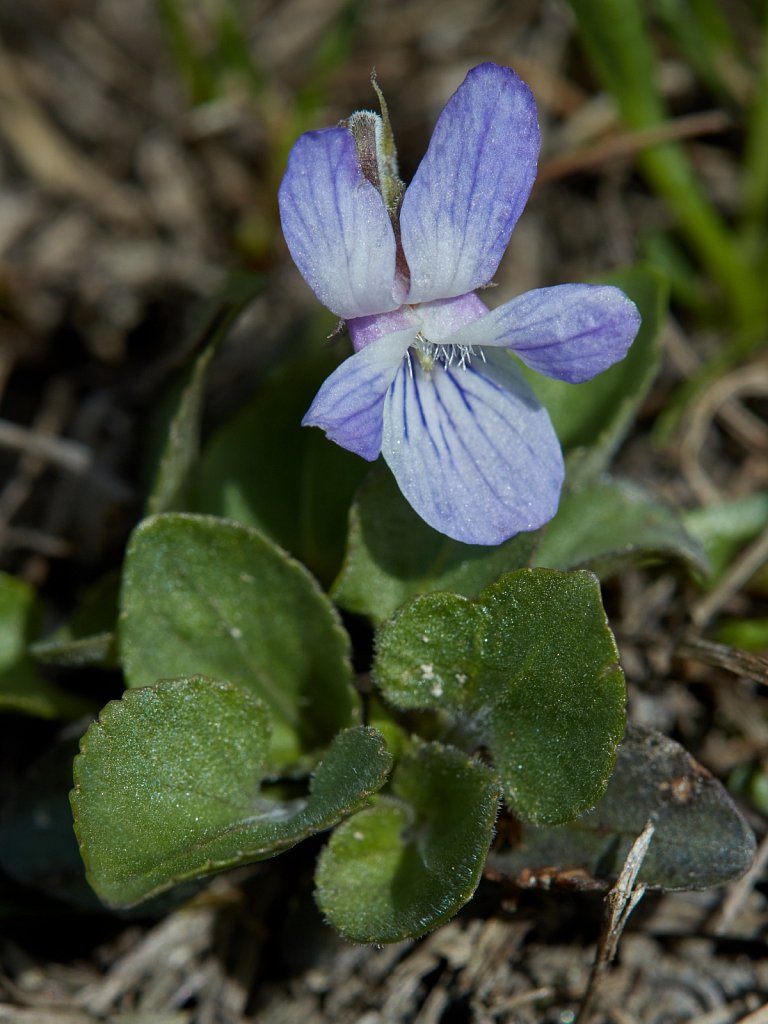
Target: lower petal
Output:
[(349, 406), (472, 450)]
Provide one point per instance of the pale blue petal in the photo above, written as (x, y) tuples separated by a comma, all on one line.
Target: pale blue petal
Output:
[(349, 406), (571, 332), (470, 188), (472, 450), (336, 225)]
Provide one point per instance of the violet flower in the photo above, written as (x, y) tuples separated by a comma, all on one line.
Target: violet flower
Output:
[(430, 386)]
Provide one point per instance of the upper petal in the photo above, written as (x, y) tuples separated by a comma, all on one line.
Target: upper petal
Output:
[(350, 404), (336, 225), (470, 188), (571, 332), (472, 450)]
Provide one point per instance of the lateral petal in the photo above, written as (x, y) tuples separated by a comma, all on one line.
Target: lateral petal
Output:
[(470, 188), (336, 225), (472, 450), (571, 331), (349, 406)]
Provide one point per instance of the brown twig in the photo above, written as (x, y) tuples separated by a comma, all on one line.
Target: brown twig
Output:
[(71, 456), (627, 144), (732, 659), (619, 904)]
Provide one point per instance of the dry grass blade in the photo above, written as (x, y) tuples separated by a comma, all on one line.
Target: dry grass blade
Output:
[(723, 401), (741, 572), (739, 892), (50, 159)]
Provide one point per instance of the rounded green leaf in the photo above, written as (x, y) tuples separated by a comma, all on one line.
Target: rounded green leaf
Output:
[(206, 596), (725, 528), (168, 787), (428, 655), (409, 863), (607, 524), (393, 555), (532, 667)]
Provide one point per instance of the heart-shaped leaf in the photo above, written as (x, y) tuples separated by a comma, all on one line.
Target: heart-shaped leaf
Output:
[(409, 863), (392, 555), (531, 669), (168, 787), (202, 595)]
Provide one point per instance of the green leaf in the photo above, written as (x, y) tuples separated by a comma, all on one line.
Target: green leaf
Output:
[(264, 469), (168, 787), (725, 528), (22, 687), (749, 781), (202, 595), (171, 486), (532, 666), (89, 636), (392, 555), (594, 417), (409, 863), (701, 837), (608, 524), (702, 30), (748, 634)]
